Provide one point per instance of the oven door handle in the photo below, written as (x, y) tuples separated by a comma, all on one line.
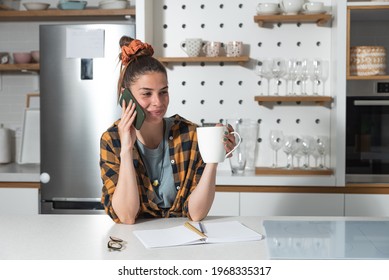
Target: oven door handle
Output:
[(371, 102)]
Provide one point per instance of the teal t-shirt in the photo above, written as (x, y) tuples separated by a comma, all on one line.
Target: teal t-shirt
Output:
[(166, 192)]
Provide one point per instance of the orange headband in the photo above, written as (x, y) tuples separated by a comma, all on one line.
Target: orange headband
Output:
[(129, 53)]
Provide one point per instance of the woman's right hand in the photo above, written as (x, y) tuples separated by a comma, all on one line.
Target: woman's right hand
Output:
[(127, 131)]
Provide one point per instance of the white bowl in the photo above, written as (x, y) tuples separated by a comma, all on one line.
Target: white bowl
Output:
[(34, 6), (113, 4)]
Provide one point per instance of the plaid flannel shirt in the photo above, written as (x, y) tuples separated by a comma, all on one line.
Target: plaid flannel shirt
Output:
[(186, 162)]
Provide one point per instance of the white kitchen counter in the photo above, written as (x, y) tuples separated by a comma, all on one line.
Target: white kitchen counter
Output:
[(69, 237), (14, 172)]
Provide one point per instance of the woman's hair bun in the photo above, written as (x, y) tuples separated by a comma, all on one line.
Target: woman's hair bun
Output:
[(133, 48)]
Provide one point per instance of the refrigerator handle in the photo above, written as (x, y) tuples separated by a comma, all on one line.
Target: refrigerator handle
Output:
[(87, 69)]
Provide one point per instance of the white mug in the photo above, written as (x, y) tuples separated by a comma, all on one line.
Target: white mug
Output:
[(291, 7), (192, 46), (210, 139), (313, 6), (212, 49), (268, 8), (234, 48)]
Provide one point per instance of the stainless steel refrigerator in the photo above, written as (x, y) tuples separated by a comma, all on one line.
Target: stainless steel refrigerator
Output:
[(79, 69)]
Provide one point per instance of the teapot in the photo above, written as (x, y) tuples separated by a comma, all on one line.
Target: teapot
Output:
[(291, 7)]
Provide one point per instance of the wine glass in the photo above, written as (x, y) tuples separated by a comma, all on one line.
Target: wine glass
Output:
[(322, 146), (290, 149), (315, 153), (291, 75), (325, 68), (315, 75), (263, 70), (299, 152), (307, 148), (303, 74), (278, 70), (276, 138)]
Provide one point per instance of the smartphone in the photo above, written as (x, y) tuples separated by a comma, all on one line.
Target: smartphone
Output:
[(140, 114)]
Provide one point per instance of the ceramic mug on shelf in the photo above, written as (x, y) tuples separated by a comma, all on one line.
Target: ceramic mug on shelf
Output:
[(211, 49), (210, 139), (234, 48), (268, 8), (313, 7), (291, 7), (192, 46)]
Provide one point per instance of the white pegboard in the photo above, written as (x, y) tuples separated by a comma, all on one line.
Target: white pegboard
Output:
[(214, 92)]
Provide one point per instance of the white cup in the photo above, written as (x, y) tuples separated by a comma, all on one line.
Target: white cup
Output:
[(212, 49), (234, 48), (211, 144), (313, 7), (268, 8), (192, 46), (291, 7)]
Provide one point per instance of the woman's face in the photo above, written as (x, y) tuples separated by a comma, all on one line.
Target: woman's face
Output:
[(151, 92)]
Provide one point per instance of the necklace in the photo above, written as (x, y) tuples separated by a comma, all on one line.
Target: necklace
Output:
[(157, 182)]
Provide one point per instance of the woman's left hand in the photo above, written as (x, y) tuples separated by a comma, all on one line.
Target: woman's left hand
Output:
[(229, 140)]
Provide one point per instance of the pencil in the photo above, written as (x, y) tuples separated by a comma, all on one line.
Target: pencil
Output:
[(202, 229), (194, 229)]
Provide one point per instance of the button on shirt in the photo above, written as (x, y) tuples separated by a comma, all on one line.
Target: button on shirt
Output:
[(186, 163)]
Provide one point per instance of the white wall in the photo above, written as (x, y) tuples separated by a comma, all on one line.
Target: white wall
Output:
[(211, 92)]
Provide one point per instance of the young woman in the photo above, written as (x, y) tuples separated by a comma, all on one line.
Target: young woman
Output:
[(156, 171)]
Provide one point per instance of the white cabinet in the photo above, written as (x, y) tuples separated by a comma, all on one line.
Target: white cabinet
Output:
[(367, 205), (225, 204), (19, 201), (291, 204)]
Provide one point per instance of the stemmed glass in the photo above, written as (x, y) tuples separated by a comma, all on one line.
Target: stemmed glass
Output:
[(278, 70), (307, 148), (299, 152), (263, 70), (291, 75), (290, 149), (303, 74), (276, 139), (322, 146), (315, 75), (324, 73)]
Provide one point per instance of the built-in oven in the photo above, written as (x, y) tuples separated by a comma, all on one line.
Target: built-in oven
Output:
[(367, 138)]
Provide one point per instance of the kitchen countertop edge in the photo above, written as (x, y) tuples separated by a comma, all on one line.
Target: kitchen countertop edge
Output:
[(14, 172)]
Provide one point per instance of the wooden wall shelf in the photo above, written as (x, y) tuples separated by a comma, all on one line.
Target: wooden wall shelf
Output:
[(11, 15), (199, 59), (349, 77), (319, 19), (19, 67), (292, 172), (320, 100)]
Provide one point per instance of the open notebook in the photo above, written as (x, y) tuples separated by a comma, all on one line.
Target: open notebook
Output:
[(218, 232)]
